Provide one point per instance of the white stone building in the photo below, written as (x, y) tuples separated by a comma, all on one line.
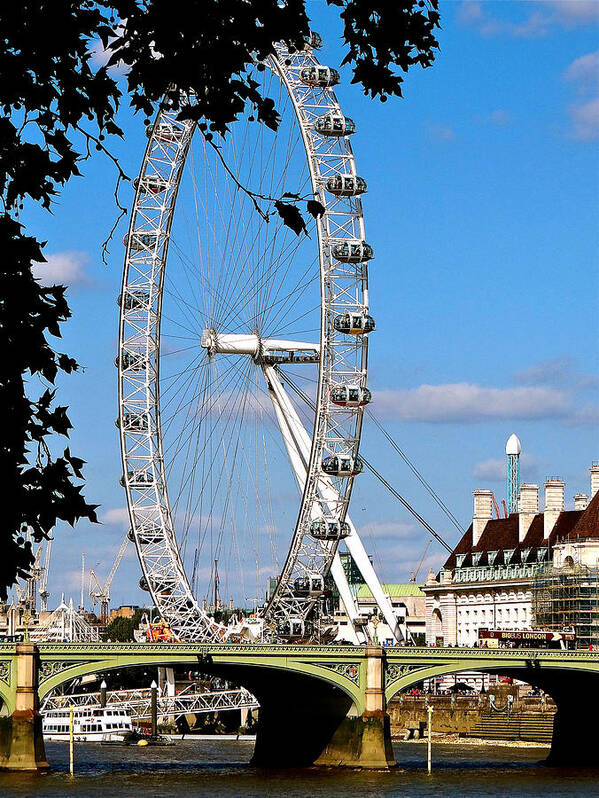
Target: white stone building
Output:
[(487, 580)]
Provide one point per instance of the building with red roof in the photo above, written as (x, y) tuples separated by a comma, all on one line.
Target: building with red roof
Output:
[(488, 581)]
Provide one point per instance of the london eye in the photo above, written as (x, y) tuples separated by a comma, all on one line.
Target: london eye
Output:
[(223, 305)]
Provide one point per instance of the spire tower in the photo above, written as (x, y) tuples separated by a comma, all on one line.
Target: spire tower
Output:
[(513, 448)]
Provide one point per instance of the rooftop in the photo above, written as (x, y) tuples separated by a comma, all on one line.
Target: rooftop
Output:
[(396, 591), (501, 535)]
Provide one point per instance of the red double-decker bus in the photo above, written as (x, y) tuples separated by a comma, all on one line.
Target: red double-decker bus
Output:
[(526, 638)]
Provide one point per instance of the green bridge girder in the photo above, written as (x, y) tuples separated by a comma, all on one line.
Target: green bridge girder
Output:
[(341, 666)]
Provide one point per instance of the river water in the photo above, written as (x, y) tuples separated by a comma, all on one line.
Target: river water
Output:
[(220, 768)]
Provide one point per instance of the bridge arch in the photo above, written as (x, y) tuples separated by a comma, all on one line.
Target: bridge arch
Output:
[(302, 692), (572, 683), (249, 671), (531, 671)]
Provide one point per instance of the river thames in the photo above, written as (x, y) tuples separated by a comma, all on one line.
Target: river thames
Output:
[(220, 768)]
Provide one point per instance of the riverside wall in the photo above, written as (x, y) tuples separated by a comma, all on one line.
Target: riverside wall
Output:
[(458, 714)]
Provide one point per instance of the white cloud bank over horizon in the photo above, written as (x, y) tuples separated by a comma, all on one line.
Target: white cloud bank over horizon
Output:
[(467, 402)]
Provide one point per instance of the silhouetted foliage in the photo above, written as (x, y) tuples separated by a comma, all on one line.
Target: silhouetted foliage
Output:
[(59, 106)]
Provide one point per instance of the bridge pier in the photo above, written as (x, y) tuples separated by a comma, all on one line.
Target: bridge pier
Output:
[(364, 741), (575, 739), (305, 721), (21, 738)]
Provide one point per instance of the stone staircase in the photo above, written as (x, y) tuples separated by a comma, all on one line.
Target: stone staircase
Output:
[(531, 727)]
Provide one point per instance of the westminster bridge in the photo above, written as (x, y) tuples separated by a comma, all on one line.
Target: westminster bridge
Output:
[(322, 705)]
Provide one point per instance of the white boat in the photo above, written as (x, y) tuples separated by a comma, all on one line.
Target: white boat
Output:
[(90, 724)]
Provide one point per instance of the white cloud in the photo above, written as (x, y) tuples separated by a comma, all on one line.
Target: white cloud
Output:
[(387, 530), (584, 70), (585, 120), (583, 74), (466, 402), (558, 371), (587, 414), (63, 268), (118, 516), (544, 16), (493, 469), (574, 12)]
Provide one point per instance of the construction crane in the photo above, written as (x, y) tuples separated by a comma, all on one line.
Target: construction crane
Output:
[(27, 593), (99, 593), (414, 574), (43, 582)]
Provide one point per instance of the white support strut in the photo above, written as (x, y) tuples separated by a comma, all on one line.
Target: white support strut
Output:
[(296, 438), (297, 443)]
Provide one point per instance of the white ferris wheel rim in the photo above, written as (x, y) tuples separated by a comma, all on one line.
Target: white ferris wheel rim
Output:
[(344, 287)]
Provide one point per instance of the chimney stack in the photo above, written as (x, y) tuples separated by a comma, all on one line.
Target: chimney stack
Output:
[(528, 507), (554, 503), (594, 469), (581, 501), (483, 512)]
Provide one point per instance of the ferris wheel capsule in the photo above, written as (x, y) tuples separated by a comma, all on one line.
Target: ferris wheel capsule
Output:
[(294, 628), (138, 479), (354, 323), (141, 240), (334, 125), (352, 250), (346, 185), (164, 133), (150, 533), (342, 465), (329, 529), (350, 396), (319, 76), (131, 362), (150, 184), (134, 422), (135, 299), (309, 585)]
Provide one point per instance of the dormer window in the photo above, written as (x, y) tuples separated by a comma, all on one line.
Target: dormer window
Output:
[(524, 554), (507, 555), (459, 560), (492, 556), (542, 553), (476, 557)]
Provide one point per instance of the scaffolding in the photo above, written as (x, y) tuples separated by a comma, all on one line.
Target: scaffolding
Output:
[(568, 597)]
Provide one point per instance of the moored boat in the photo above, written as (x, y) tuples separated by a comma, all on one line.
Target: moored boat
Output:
[(90, 724)]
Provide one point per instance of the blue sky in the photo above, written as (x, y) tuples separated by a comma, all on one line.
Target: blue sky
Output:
[(482, 208)]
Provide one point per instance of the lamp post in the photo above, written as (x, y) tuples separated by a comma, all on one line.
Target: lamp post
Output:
[(375, 623), (429, 741), (154, 708)]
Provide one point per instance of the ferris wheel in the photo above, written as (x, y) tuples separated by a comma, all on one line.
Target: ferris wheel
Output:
[(209, 336)]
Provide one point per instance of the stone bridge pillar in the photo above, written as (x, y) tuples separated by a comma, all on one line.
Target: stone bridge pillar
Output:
[(21, 738), (575, 741), (365, 740)]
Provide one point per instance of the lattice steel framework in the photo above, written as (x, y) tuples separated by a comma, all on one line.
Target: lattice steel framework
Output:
[(343, 358), (512, 488), (138, 703)]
